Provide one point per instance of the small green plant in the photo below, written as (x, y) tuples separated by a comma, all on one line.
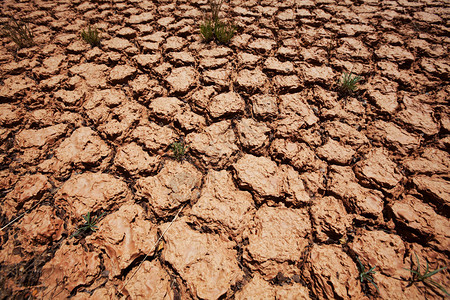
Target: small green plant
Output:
[(215, 6), (366, 275), (90, 224), (224, 31), (19, 32), (417, 276), (91, 36), (207, 30), (179, 150), (214, 27), (348, 82)]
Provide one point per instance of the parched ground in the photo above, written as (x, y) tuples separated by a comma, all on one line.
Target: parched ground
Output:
[(286, 182)]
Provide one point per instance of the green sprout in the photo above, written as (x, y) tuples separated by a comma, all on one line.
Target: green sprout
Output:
[(179, 150), (215, 6), (366, 275), (207, 30), (214, 27), (89, 225), (348, 82), (91, 36), (417, 276), (224, 31), (20, 33)]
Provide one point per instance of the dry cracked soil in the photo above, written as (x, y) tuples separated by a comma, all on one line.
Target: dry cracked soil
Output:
[(286, 182)]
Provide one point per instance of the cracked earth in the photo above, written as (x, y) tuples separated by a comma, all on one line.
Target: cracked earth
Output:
[(286, 183)]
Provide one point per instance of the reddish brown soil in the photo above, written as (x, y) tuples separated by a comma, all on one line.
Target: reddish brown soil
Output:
[(286, 182)]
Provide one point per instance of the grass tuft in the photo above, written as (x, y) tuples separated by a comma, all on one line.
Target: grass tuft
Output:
[(417, 276), (366, 275), (224, 32), (179, 150), (19, 32), (91, 36), (207, 30), (90, 224), (215, 6), (213, 27), (347, 83)]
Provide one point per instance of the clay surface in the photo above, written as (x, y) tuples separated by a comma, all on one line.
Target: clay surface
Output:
[(158, 165)]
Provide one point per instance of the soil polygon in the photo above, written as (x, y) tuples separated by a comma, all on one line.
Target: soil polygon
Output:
[(158, 165)]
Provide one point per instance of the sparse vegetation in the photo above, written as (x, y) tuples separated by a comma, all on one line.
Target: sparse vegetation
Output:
[(347, 83), (179, 150), (417, 276), (90, 224), (20, 33), (366, 275), (207, 30), (215, 6), (224, 31), (91, 36), (213, 26)]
